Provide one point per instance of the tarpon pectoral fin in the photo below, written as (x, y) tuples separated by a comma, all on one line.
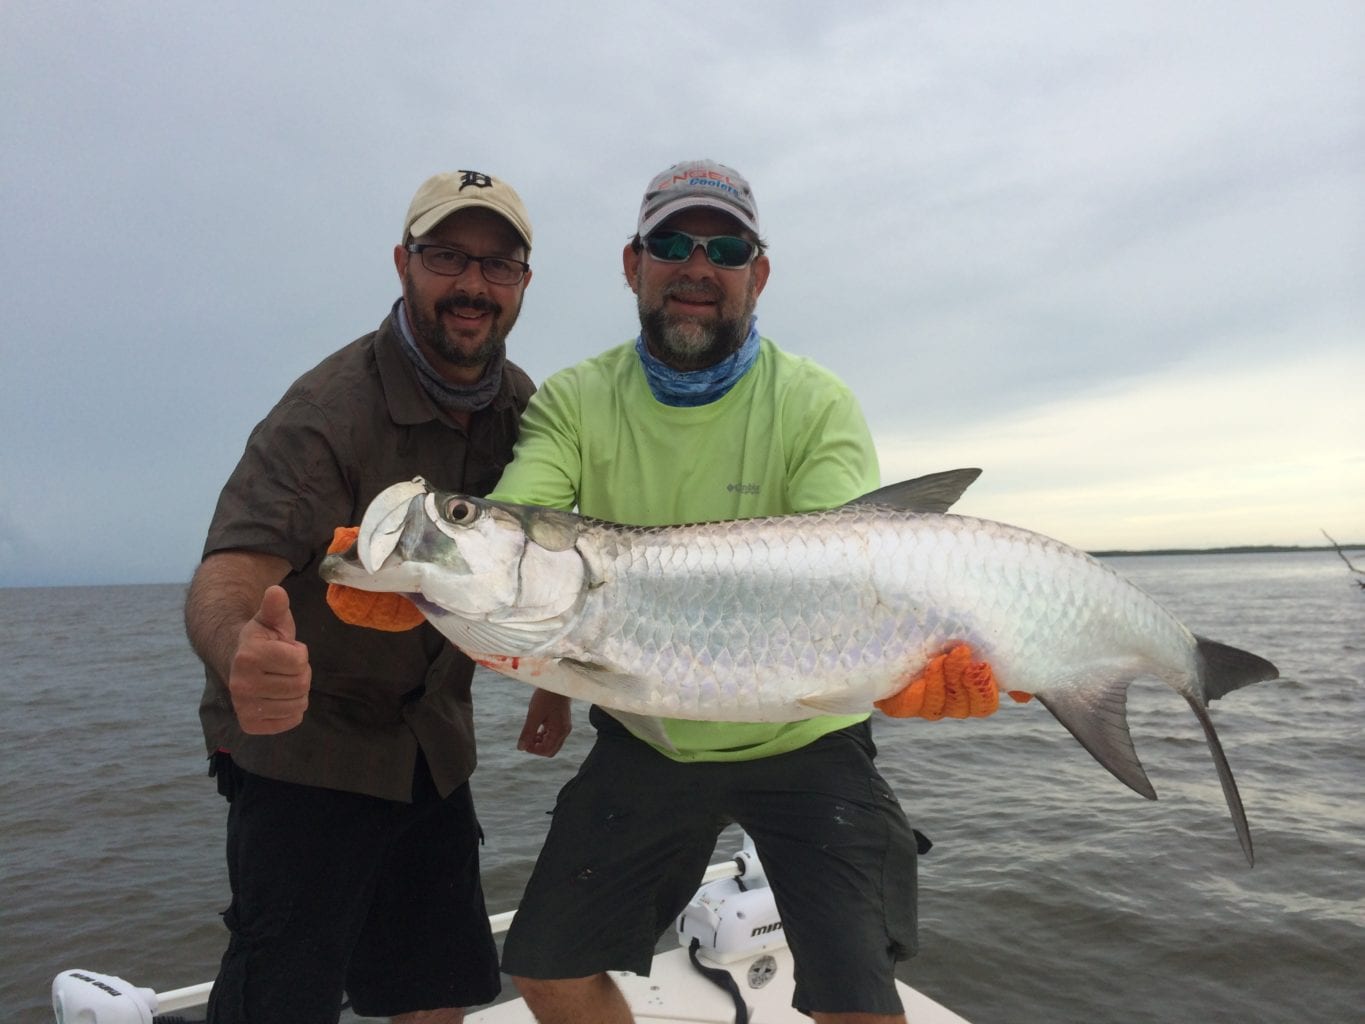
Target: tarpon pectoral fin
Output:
[(933, 493), (645, 727), (1230, 794), (604, 678), (1099, 720), (601, 675)]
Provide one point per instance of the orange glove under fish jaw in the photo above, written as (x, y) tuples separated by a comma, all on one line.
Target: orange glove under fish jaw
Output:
[(952, 685), (392, 613)]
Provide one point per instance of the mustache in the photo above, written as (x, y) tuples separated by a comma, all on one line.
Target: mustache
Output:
[(479, 303), (692, 291)]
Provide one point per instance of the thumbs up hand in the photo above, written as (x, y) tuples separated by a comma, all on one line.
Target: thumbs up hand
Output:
[(270, 675)]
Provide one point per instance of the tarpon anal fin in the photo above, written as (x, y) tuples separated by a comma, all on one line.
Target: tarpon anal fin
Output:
[(1099, 720), (935, 493)]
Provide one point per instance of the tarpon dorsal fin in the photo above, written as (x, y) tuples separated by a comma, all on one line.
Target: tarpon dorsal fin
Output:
[(1099, 720), (933, 493)]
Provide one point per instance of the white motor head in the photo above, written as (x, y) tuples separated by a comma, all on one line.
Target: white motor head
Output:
[(84, 997)]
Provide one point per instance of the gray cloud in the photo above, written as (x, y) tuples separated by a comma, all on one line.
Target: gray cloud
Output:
[(978, 211)]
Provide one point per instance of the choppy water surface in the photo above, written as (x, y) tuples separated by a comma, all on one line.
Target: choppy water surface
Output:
[(1053, 894)]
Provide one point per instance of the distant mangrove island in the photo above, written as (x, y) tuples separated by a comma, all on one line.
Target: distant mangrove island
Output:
[(1244, 549)]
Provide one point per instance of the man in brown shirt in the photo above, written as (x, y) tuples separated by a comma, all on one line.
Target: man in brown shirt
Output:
[(345, 752)]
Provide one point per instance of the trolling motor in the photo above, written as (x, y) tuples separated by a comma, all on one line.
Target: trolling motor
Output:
[(84, 997), (734, 918)]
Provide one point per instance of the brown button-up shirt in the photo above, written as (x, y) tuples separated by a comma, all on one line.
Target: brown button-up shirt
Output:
[(354, 424)]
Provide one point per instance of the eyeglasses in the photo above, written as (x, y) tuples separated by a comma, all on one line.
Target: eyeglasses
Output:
[(725, 251), (448, 262)]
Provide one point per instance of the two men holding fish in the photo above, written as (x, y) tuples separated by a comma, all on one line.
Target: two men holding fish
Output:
[(698, 419), (732, 664), (733, 661)]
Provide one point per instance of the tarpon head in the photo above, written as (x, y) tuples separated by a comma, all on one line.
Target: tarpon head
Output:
[(506, 572)]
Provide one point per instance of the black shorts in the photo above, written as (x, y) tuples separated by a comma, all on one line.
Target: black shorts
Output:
[(633, 832), (336, 892)]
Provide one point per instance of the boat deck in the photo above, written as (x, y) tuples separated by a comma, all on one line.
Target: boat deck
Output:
[(676, 994)]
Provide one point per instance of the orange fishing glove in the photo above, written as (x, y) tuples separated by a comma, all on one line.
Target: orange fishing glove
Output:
[(951, 686), (392, 613)]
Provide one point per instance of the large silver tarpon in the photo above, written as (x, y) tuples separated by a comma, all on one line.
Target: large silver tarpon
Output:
[(783, 618)]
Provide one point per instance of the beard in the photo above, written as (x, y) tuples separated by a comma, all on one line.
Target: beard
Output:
[(433, 336), (690, 343)]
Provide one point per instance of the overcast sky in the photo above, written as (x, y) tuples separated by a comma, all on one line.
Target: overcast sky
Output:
[(1112, 253)]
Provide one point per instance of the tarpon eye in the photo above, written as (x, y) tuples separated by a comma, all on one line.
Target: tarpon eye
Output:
[(458, 510)]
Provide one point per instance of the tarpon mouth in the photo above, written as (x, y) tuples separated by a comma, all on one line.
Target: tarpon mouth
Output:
[(383, 522)]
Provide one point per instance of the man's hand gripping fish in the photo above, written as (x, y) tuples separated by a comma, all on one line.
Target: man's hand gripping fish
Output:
[(782, 618)]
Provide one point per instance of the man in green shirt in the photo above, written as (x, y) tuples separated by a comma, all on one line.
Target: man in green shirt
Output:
[(702, 419)]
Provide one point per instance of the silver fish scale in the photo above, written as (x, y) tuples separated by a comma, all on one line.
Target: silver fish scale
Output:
[(741, 620)]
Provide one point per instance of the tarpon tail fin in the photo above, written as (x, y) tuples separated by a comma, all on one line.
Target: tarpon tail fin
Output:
[(1223, 669), (1230, 794), (933, 493), (1098, 718)]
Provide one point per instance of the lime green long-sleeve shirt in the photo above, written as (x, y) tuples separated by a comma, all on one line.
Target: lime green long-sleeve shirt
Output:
[(788, 437)]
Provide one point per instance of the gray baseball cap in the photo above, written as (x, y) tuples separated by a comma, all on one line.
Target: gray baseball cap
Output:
[(694, 183)]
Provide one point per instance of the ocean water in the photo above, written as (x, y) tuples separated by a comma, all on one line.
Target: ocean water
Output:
[(1053, 893)]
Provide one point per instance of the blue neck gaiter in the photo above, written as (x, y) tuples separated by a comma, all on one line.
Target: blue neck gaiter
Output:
[(686, 388)]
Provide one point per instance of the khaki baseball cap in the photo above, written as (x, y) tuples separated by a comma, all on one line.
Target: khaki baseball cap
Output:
[(695, 183), (443, 194)]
